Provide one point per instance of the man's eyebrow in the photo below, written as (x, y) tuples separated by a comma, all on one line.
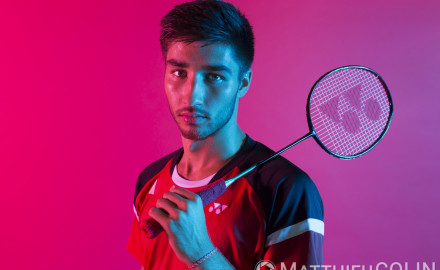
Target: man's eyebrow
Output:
[(218, 68), (176, 63)]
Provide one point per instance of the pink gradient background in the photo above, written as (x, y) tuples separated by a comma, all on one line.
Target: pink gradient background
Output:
[(82, 112)]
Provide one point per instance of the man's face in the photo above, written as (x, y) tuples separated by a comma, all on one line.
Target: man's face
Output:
[(201, 83)]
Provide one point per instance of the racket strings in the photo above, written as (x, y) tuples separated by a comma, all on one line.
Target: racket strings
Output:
[(349, 109)]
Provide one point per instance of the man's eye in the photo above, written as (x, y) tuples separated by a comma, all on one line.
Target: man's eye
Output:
[(179, 73), (215, 77)]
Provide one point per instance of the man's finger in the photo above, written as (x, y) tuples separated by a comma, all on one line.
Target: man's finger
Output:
[(168, 206), (184, 193), (180, 202), (160, 216)]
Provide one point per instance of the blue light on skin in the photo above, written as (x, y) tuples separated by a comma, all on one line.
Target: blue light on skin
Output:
[(203, 88)]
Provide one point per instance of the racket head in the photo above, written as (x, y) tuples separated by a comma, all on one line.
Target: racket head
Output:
[(349, 110)]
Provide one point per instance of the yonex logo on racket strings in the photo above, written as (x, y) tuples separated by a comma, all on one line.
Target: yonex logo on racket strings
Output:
[(350, 119)]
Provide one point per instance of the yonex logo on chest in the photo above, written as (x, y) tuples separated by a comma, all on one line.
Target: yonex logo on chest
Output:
[(217, 208)]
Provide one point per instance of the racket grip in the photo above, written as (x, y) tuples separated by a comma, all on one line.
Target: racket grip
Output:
[(212, 192), (152, 228)]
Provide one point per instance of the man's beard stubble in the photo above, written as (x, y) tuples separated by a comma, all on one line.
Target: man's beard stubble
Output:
[(197, 135)]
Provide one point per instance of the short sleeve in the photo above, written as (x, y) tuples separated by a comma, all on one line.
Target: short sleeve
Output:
[(296, 224)]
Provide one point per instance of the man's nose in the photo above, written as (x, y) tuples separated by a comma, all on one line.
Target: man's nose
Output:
[(194, 92)]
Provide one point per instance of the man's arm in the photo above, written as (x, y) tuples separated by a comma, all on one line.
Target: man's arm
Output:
[(180, 213), (216, 262)]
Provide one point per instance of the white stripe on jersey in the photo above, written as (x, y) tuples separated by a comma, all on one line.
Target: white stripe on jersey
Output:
[(135, 212), (153, 188), (310, 224)]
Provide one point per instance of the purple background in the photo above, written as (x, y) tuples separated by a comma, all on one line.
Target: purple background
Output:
[(83, 111)]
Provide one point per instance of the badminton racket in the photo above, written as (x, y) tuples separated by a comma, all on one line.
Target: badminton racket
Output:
[(349, 110)]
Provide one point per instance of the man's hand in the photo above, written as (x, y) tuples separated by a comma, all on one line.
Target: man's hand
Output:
[(180, 213)]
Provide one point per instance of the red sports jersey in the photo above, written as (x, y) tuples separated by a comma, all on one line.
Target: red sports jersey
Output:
[(273, 213)]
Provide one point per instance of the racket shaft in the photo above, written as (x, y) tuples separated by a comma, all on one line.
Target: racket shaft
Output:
[(286, 148)]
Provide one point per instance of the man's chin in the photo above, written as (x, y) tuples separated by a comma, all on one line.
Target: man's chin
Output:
[(193, 135)]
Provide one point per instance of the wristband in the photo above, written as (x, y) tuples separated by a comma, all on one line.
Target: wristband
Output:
[(201, 260)]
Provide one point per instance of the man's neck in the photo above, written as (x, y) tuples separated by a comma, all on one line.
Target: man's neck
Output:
[(205, 157)]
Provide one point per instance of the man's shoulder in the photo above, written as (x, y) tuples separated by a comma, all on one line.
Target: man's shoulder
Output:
[(277, 170), (283, 188), (157, 165), (154, 168)]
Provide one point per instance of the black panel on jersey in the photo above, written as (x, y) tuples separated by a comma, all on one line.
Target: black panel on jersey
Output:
[(287, 193), (154, 168)]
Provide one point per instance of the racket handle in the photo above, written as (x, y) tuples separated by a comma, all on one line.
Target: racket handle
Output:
[(212, 192), (152, 228)]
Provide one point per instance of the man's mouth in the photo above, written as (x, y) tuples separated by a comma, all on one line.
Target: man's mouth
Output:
[(192, 118)]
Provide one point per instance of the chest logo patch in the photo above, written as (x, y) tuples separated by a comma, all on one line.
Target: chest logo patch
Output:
[(217, 208)]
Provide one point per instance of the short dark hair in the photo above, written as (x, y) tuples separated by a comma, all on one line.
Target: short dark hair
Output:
[(211, 21)]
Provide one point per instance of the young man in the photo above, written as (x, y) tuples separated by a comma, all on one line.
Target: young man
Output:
[(273, 213)]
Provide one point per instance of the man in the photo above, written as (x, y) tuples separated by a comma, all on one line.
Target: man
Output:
[(273, 213)]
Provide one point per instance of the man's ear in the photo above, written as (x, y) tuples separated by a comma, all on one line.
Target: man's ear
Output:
[(245, 83)]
